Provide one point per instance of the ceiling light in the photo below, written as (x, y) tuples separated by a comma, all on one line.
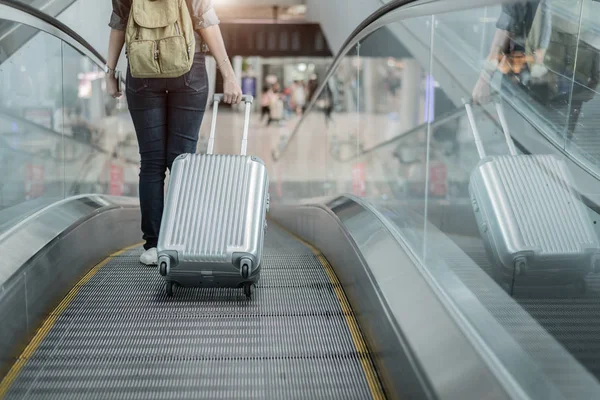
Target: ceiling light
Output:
[(299, 9)]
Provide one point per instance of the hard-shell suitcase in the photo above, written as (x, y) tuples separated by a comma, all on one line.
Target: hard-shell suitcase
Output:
[(534, 225), (214, 220)]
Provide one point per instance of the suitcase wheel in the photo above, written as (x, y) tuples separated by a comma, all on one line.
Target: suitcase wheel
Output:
[(248, 289), (162, 269), (521, 266), (169, 288), (246, 269)]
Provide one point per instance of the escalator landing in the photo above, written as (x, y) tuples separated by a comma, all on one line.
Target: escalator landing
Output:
[(117, 335)]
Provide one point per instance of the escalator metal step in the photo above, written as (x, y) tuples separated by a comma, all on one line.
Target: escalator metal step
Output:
[(119, 337)]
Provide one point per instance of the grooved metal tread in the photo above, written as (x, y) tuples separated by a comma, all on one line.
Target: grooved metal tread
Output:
[(120, 337), (570, 317)]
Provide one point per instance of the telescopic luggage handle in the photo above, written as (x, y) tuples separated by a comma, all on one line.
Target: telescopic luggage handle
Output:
[(478, 143), (248, 99)]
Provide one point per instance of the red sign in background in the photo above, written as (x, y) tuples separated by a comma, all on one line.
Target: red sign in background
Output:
[(117, 180), (438, 179), (34, 181), (359, 184)]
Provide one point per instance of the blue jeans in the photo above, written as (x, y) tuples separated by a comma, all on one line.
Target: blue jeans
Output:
[(167, 114)]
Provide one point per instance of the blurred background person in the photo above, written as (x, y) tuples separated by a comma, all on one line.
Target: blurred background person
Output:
[(276, 106), (299, 96), (265, 103)]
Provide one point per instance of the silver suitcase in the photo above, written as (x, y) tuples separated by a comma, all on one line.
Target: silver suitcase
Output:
[(214, 220), (535, 226)]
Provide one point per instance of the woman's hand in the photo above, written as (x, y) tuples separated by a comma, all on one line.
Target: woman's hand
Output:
[(232, 93), (481, 92), (112, 86), (231, 90)]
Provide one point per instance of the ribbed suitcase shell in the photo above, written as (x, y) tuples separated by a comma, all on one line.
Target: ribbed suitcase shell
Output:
[(214, 215), (531, 219)]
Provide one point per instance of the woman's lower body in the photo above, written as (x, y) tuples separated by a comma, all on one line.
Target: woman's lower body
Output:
[(167, 114)]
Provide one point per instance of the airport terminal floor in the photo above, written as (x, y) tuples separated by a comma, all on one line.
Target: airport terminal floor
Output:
[(433, 231)]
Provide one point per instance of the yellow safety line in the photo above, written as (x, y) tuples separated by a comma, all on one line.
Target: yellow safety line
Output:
[(49, 323), (357, 337)]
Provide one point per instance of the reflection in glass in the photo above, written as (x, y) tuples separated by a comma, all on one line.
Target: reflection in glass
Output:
[(30, 91), (100, 155), (60, 134), (396, 134), (584, 111)]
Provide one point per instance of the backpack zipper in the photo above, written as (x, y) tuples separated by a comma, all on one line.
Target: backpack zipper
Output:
[(156, 51), (177, 27)]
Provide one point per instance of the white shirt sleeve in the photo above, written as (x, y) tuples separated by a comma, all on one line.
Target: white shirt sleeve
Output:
[(203, 13)]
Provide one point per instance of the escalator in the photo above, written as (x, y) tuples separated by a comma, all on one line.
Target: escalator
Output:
[(14, 36), (117, 335), (569, 315), (110, 331), (385, 293)]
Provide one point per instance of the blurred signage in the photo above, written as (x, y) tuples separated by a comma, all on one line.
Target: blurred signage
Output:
[(41, 116), (438, 179), (274, 40), (249, 85), (359, 184), (429, 99), (34, 181), (117, 180)]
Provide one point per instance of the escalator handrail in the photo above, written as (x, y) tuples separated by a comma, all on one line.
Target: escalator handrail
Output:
[(457, 113), (354, 37), (446, 117), (89, 50), (51, 7), (59, 135), (449, 116)]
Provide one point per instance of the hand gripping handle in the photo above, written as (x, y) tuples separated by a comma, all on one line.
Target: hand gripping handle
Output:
[(246, 98)]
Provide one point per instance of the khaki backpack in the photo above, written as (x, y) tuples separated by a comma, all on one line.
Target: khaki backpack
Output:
[(160, 39)]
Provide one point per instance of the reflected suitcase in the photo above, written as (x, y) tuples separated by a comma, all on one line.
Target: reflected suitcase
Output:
[(535, 226), (214, 220)]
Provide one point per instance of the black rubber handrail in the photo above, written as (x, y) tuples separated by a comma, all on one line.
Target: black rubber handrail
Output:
[(55, 23), (380, 13)]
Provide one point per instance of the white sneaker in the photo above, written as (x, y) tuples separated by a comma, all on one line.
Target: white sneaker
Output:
[(149, 257)]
